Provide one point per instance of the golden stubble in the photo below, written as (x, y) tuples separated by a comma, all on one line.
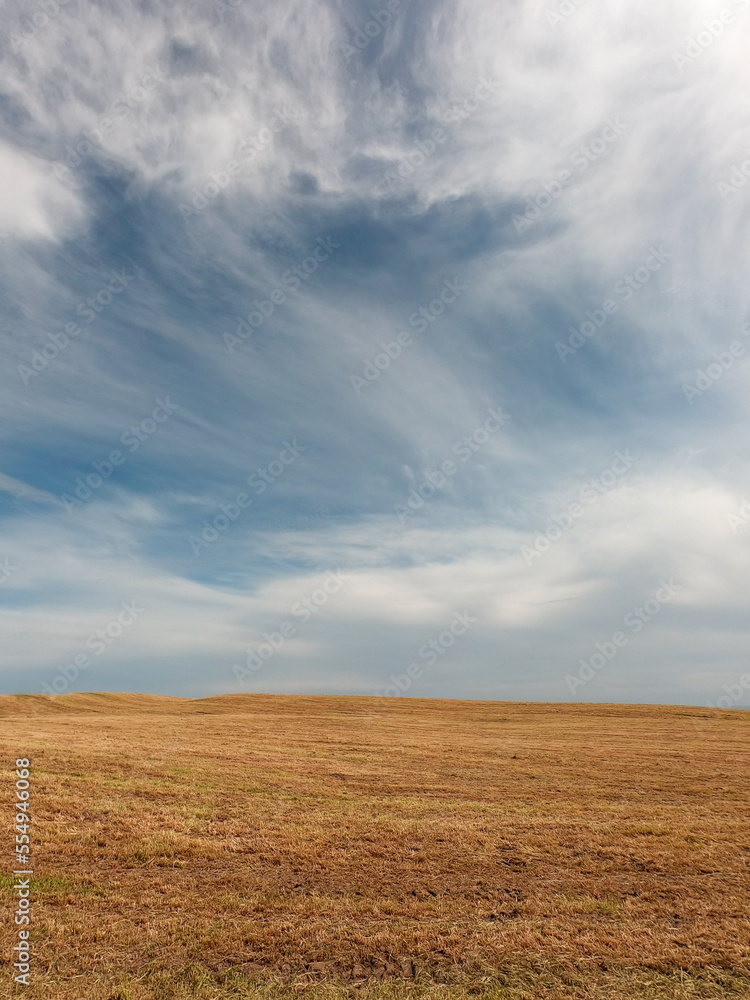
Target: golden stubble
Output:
[(265, 846)]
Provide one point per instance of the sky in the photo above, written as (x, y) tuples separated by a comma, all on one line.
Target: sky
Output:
[(393, 349)]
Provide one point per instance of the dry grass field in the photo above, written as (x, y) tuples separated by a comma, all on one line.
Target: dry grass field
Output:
[(269, 846)]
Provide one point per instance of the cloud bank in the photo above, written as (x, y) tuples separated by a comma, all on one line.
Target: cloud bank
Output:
[(325, 324)]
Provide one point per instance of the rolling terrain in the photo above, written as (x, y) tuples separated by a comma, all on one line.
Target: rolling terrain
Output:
[(278, 846)]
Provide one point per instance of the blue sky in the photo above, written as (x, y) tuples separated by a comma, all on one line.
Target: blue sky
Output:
[(356, 348)]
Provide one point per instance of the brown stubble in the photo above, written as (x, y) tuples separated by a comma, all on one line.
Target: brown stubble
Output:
[(262, 845)]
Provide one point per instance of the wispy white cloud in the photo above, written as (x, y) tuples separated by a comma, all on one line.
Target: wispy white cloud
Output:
[(208, 151)]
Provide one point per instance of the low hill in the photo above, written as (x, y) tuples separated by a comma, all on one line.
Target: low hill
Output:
[(272, 846)]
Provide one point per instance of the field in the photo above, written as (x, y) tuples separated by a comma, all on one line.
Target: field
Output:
[(270, 846)]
